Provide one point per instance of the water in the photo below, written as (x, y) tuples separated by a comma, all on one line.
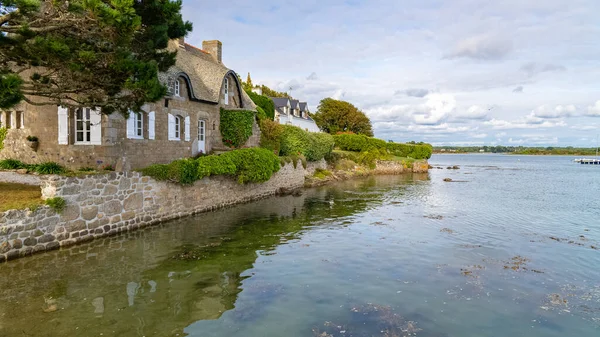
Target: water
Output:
[(507, 249)]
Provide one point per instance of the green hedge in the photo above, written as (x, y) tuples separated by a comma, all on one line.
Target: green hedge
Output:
[(293, 141), (264, 103), (361, 143), (236, 126), (313, 145), (248, 165), (321, 145)]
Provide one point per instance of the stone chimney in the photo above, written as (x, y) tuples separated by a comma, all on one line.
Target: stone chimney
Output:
[(215, 48), (181, 41)]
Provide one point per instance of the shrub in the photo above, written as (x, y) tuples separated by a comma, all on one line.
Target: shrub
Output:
[(368, 158), (263, 102), (236, 126), (157, 171), (260, 114), (183, 171), (361, 143), (270, 135), (294, 141), (248, 165), (337, 155), (320, 146), (254, 165), (49, 168), (215, 165), (11, 164), (57, 204)]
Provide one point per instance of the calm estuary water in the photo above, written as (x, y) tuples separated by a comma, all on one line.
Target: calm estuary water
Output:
[(510, 248)]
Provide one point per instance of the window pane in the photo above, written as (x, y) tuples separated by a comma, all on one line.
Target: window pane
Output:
[(79, 136), (87, 114), (89, 138), (79, 126), (79, 114)]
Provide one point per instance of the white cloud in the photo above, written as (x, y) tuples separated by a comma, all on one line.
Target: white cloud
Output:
[(482, 47), (559, 111), (480, 135), (436, 109), (594, 110), (473, 112)]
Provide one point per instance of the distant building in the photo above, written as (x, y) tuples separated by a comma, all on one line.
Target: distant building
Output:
[(293, 112)]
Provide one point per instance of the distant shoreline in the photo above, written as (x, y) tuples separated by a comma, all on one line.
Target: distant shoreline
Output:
[(522, 154)]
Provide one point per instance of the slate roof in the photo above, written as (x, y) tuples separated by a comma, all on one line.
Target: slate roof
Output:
[(294, 103), (280, 101), (204, 72), (303, 106)]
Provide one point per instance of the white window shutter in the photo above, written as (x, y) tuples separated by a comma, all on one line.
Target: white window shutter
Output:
[(63, 125), (187, 129), (171, 127), (96, 127), (151, 124), (130, 126)]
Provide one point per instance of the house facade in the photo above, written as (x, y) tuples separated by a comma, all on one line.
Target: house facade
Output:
[(293, 112), (182, 124)]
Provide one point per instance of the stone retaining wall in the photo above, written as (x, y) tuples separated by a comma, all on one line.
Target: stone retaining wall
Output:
[(385, 167), (102, 205), (19, 178)]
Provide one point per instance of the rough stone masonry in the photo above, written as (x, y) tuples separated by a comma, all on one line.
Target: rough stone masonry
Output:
[(103, 205)]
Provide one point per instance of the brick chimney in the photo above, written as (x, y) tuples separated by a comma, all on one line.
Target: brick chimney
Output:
[(215, 48)]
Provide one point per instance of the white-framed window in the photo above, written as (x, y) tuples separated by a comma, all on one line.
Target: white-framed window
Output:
[(83, 125), (138, 121), (178, 127), (201, 130), (226, 90), (135, 125), (177, 88)]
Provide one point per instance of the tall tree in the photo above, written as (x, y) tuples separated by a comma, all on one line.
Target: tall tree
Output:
[(96, 53), (335, 116)]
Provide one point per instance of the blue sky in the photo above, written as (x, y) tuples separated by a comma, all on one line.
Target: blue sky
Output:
[(452, 72)]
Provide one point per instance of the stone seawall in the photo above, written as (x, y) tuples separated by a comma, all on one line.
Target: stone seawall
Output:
[(103, 205)]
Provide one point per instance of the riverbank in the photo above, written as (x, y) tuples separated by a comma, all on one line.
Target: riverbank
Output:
[(102, 205)]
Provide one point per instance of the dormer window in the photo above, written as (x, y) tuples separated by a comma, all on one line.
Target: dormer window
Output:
[(177, 88)]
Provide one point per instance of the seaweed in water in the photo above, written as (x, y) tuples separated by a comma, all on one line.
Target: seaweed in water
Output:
[(371, 320)]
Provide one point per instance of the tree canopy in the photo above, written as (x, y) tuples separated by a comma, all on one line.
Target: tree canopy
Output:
[(335, 116), (94, 53)]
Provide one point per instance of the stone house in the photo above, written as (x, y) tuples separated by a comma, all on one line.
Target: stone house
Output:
[(183, 124), (293, 112)]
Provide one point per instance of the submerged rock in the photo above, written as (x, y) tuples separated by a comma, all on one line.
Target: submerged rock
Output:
[(447, 180)]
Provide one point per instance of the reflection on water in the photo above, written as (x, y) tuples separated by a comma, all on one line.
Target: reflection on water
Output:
[(505, 253)]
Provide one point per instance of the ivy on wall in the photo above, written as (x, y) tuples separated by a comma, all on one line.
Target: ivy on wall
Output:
[(236, 127), (2, 137)]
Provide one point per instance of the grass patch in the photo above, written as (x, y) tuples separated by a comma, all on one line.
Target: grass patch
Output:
[(321, 173), (18, 196), (57, 204)]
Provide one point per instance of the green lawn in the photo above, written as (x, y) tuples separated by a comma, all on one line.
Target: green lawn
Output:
[(18, 196)]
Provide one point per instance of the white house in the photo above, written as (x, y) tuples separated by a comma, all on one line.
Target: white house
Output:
[(293, 112)]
